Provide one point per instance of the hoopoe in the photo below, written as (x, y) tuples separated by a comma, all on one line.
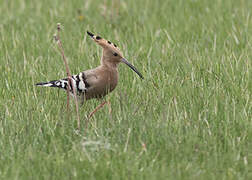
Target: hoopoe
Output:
[(97, 82)]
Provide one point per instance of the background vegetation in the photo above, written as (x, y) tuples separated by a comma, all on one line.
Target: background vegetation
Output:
[(189, 119)]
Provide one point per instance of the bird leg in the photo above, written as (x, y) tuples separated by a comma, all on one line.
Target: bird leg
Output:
[(97, 108)]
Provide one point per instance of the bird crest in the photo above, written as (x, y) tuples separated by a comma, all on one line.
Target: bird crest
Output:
[(110, 50), (102, 42)]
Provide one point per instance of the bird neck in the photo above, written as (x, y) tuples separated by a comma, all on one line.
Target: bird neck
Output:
[(109, 64)]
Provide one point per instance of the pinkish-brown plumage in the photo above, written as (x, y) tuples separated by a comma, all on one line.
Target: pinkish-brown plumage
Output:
[(97, 82)]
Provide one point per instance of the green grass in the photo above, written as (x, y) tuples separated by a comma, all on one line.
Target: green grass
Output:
[(193, 110)]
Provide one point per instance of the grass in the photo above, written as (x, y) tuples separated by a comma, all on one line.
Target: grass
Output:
[(189, 119)]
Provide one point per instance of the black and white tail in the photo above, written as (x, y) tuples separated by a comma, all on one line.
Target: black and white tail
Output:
[(79, 83)]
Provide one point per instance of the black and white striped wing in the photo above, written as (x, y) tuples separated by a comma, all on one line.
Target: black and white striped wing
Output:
[(79, 83)]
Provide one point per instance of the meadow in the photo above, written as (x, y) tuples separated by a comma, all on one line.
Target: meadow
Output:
[(190, 118)]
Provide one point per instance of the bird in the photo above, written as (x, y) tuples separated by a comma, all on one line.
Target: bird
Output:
[(97, 82)]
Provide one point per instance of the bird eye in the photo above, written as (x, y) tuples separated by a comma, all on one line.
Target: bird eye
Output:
[(115, 54)]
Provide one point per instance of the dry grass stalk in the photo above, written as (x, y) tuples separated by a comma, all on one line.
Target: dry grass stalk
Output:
[(57, 38)]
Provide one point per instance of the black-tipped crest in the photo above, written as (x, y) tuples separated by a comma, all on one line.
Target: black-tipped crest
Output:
[(93, 36), (90, 34), (100, 40)]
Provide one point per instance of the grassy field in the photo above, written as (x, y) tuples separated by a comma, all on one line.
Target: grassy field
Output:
[(190, 118)]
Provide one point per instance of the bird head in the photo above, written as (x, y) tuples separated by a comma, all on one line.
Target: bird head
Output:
[(111, 53)]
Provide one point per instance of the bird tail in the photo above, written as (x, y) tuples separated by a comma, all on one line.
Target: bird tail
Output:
[(62, 83), (79, 83)]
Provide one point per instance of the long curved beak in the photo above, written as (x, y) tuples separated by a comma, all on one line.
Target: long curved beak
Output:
[(132, 67)]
